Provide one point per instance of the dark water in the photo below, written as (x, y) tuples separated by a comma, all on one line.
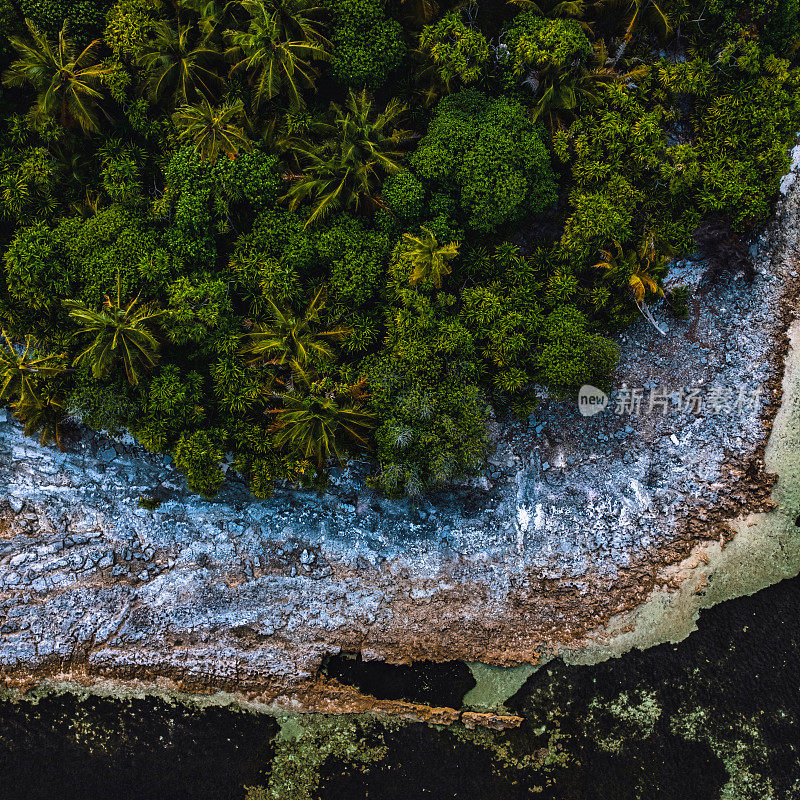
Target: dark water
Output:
[(426, 682), (717, 716)]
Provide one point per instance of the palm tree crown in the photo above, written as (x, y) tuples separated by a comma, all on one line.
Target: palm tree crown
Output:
[(212, 129), (65, 81), (293, 341), (176, 65), (277, 49), (428, 258), (19, 370), (121, 333), (641, 267), (313, 426), (346, 168)]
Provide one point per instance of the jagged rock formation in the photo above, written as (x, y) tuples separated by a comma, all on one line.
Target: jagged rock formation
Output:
[(573, 523)]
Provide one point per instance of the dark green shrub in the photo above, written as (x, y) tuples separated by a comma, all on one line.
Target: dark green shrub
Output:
[(199, 455), (572, 354), (405, 195), (367, 45), (486, 154)]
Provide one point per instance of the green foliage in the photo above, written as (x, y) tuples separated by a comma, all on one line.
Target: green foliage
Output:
[(345, 170), (777, 21), (199, 455), (177, 63), (21, 370), (423, 260), (424, 390), (120, 333), (536, 42), (276, 50), (457, 51), (404, 195), (85, 16), (572, 355), (66, 79), (104, 249), (200, 194), (130, 25), (313, 427), (173, 404), (196, 305), (33, 272), (489, 155), (41, 415), (367, 45), (212, 129), (356, 258), (107, 405), (293, 342)]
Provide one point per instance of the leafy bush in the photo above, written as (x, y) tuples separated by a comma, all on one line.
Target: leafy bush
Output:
[(34, 272), (199, 455), (367, 45), (537, 42), (457, 50), (393, 308), (404, 195), (86, 17), (489, 156)]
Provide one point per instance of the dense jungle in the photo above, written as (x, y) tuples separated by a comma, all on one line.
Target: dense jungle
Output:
[(267, 236)]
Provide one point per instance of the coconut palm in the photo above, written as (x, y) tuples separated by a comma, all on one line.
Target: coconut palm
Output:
[(429, 259), (120, 333), (42, 415), (347, 167), (293, 341), (638, 15), (562, 90), (177, 64), (66, 81), (313, 427), (295, 20), (212, 129), (640, 268), (19, 369), (277, 49), (211, 12)]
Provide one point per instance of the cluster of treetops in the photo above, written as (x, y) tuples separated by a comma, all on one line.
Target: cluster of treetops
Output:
[(271, 235)]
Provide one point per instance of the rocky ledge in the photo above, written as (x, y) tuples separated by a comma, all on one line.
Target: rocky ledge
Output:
[(577, 520)]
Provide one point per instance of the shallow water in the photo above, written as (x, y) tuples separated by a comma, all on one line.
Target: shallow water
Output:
[(716, 716)]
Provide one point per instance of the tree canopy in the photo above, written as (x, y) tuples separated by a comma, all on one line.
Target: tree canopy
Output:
[(267, 235)]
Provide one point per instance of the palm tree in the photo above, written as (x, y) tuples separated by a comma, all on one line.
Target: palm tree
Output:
[(313, 426), (212, 129), (295, 20), (639, 14), (277, 49), (556, 9), (211, 12), (19, 370), (65, 81), (346, 168), (176, 66), (121, 334), (641, 268), (428, 258), (42, 415), (562, 90), (292, 341)]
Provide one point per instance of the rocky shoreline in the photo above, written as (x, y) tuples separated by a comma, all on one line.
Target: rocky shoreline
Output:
[(577, 523)]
